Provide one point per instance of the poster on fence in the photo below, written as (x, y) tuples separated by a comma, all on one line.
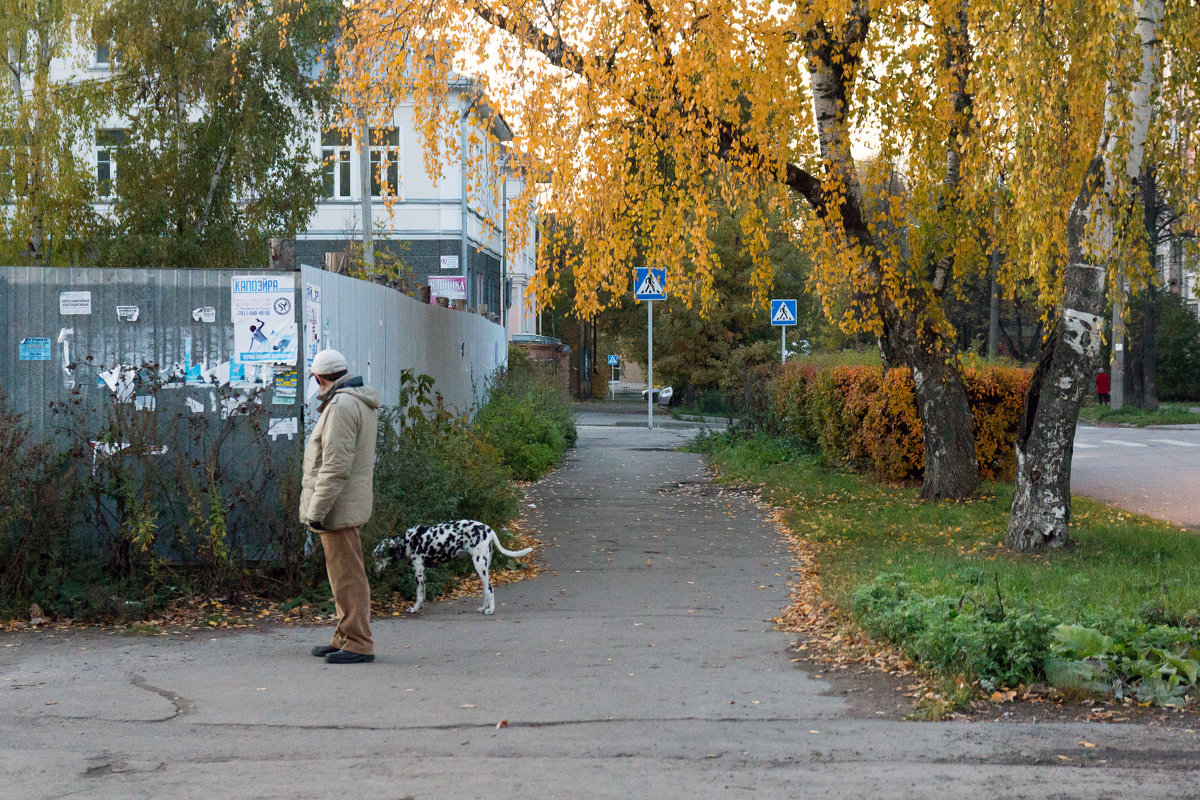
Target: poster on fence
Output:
[(312, 324), (264, 319)]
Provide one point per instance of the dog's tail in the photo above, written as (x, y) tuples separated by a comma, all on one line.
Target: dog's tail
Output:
[(510, 553)]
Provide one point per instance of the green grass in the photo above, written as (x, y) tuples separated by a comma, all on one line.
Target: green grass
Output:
[(1124, 566), (1167, 414)]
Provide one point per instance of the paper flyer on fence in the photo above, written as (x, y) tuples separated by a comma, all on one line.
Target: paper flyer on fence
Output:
[(264, 319)]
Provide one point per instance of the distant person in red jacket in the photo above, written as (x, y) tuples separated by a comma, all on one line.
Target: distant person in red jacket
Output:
[(1102, 388)]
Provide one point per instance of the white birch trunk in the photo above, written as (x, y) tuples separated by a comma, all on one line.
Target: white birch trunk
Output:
[(1041, 511)]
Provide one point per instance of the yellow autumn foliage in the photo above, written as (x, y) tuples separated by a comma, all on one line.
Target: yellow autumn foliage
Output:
[(633, 117)]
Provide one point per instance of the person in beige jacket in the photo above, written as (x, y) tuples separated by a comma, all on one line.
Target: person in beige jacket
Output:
[(336, 499)]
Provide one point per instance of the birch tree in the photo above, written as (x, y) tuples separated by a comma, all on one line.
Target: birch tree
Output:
[(43, 183), (638, 116), (1123, 46)]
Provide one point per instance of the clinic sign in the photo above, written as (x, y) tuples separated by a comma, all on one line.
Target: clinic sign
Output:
[(264, 319), (451, 287)]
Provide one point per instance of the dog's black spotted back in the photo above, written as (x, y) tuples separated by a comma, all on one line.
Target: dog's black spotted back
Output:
[(436, 544)]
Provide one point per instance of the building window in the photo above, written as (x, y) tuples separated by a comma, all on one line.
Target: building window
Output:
[(385, 158), (335, 158), (108, 142), (104, 55)]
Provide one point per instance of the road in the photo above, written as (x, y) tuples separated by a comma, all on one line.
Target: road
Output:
[(1154, 471), (640, 665)]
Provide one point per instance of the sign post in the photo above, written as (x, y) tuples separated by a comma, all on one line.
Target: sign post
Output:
[(612, 380), (783, 314), (650, 285)]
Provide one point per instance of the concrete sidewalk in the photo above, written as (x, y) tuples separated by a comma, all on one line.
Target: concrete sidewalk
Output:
[(640, 665)]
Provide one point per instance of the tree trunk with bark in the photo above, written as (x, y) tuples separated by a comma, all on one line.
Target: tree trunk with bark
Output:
[(909, 337), (1153, 210), (1041, 510), (947, 422)]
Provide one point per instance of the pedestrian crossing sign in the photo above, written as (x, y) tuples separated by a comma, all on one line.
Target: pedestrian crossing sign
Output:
[(783, 312), (650, 284), (612, 361)]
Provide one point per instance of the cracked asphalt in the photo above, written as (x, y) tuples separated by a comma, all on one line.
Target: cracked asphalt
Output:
[(641, 664)]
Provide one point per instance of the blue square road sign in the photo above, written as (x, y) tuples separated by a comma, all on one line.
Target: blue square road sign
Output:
[(650, 284), (783, 312)]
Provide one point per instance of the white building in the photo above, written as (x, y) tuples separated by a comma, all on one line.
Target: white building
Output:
[(438, 226), (1179, 272)]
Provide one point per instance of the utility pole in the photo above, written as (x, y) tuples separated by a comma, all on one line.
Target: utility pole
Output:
[(994, 309), (364, 172), (994, 268), (1117, 378), (501, 298), (649, 363)]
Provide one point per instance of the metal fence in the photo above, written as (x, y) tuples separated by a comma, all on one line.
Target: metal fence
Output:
[(200, 370), (79, 332), (381, 331)]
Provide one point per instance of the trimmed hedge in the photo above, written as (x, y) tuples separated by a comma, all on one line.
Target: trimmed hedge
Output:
[(865, 418)]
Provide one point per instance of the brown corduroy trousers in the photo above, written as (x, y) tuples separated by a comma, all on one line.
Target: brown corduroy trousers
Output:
[(351, 592)]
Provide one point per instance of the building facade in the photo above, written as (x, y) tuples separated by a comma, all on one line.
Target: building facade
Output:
[(452, 225), (447, 225), (1179, 266)]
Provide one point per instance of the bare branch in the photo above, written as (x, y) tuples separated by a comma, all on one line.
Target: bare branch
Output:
[(551, 46)]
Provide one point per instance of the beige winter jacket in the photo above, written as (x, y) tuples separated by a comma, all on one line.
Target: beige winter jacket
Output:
[(339, 458)]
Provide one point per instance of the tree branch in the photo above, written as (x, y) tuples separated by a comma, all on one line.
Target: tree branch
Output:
[(549, 45), (956, 60), (654, 26)]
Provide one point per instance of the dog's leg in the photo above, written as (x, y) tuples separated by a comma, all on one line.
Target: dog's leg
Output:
[(482, 563), (418, 566)]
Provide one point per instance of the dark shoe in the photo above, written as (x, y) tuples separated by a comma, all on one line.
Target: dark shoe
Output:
[(347, 657), (324, 650)]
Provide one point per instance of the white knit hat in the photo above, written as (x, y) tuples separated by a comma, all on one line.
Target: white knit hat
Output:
[(328, 362)]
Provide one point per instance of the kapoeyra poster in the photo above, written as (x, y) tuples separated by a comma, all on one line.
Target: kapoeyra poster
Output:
[(264, 319)]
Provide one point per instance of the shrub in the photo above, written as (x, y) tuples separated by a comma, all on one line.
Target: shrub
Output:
[(120, 509), (37, 498), (111, 521), (1177, 351), (746, 379), (865, 418), (432, 466), (527, 419), (890, 432), (997, 397), (790, 396)]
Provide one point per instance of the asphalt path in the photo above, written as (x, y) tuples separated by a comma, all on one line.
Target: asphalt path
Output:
[(640, 664), (1153, 470)]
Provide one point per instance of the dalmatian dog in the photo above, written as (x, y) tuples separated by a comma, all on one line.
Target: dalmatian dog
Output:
[(430, 545)]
